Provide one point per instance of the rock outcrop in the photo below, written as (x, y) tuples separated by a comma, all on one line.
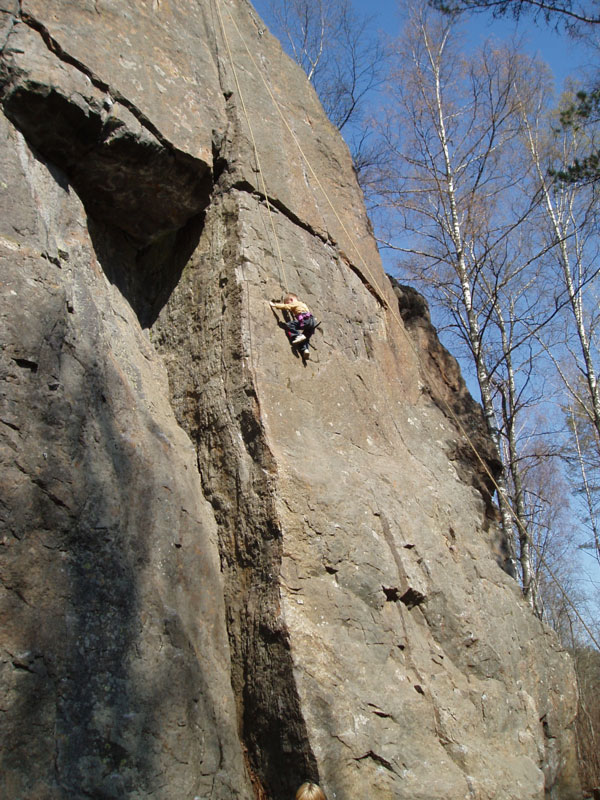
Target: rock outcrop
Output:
[(224, 572)]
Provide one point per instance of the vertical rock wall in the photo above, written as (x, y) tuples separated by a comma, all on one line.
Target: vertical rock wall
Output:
[(224, 572)]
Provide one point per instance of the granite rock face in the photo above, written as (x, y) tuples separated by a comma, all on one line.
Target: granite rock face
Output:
[(224, 572)]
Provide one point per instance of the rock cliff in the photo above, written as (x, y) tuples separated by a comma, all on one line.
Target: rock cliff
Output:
[(225, 572)]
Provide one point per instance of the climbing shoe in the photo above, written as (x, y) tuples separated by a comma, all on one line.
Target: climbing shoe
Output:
[(300, 338)]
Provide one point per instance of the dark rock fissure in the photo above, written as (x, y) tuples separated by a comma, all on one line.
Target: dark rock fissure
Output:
[(24, 363), (61, 54), (144, 255), (145, 200), (378, 760), (146, 213), (412, 598), (123, 178), (392, 594), (272, 728)]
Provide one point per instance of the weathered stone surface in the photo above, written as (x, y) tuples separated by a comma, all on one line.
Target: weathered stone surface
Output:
[(114, 670), (471, 453), (223, 572)]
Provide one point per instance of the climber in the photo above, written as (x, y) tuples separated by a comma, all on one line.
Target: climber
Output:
[(310, 791), (302, 327)]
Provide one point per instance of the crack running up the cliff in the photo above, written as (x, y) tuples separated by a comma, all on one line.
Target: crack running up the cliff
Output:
[(53, 45)]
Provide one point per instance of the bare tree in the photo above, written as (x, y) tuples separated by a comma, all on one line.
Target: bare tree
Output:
[(583, 458), (454, 180), (581, 20), (513, 402), (341, 54), (569, 223)]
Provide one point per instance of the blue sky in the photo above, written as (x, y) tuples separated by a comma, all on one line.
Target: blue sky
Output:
[(558, 50)]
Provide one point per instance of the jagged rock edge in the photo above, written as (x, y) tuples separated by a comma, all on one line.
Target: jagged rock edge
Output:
[(291, 722), (54, 46), (62, 55)]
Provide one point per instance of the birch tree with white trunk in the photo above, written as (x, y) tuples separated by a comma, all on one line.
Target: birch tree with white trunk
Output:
[(569, 222), (453, 183)]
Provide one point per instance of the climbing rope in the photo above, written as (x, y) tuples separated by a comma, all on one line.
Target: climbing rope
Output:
[(381, 297), (381, 294), (282, 276)]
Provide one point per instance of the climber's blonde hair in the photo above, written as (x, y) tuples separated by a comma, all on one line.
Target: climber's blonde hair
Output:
[(310, 791)]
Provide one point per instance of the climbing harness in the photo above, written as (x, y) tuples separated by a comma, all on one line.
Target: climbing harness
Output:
[(379, 294)]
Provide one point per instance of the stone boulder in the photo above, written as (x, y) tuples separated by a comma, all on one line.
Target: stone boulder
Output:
[(224, 571)]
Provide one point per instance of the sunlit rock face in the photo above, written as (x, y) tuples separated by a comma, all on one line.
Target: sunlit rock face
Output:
[(225, 572)]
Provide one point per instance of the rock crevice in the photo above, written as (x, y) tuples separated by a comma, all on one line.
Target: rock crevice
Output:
[(111, 95), (238, 472)]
